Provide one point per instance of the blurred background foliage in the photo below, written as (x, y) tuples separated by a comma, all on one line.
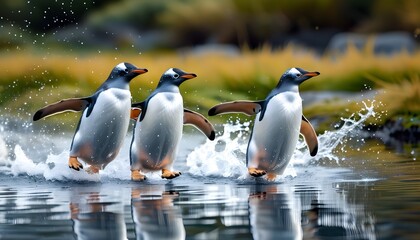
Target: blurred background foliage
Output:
[(54, 49), (192, 22)]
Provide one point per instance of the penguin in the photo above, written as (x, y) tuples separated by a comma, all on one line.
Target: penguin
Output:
[(159, 124), (277, 125), (154, 213), (104, 122), (93, 216), (274, 212)]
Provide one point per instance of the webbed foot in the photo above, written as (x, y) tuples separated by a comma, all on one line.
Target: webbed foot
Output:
[(169, 174), (92, 169), (258, 195), (137, 176), (135, 193), (74, 210), (271, 176), (75, 164), (256, 172)]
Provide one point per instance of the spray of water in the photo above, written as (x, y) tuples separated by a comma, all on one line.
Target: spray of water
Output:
[(209, 160), (224, 157), (330, 140)]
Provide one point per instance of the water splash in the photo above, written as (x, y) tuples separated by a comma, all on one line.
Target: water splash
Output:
[(224, 157), (209, 160), (18, 162), (330, 140), (51, 163), (54, 168)]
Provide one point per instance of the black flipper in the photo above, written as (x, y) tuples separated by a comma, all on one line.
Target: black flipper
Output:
[(72, 104), (142, 106), (199, 121), (247, 107), (309, 134), (93, 99)]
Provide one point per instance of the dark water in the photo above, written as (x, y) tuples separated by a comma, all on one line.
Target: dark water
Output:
[(367, 196), (355, 188)]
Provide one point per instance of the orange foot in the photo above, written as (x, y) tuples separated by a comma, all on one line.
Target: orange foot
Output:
[(74, 210), (75, 164), (135, 193), (137, 176), (256, 172), (169, 174), (258, 195), (271, 176), (92, 169)]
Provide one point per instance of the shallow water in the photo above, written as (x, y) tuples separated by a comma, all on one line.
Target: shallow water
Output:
[(354, 189)]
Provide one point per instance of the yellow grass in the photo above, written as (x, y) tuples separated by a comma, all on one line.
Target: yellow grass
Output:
[(211, 68), (250, 75), (402, 97)]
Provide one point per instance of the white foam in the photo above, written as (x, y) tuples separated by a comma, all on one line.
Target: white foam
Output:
[(208, 160), (55, 167), (22, 164)]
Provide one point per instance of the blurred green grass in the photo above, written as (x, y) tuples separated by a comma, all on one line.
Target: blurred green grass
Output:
[(30, 79)]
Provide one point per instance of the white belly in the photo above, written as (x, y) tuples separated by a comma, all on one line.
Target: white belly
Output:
[(276, 216), (157, 136), (100, 135), (274, 138), (155, 216)]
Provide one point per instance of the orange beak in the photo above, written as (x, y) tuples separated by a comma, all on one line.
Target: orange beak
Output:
[(140, 70), (189, 75), (311, 74)]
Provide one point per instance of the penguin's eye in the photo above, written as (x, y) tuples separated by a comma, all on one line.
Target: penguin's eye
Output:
[(122, 72), (176, 76), (298, 75)]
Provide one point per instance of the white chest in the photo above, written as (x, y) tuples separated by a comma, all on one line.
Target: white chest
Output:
[(110, 103), (165, 106), (283, 109), (281, 121), (165, 111)]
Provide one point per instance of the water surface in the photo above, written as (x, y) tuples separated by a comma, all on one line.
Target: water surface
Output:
[(355, 189)]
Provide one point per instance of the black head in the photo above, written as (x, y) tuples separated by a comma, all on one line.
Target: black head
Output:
[(296, 76), (175, 76), (127, 71)]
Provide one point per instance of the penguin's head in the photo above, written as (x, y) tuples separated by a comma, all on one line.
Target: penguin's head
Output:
[(175, 76), (297, 76), (127, 71)]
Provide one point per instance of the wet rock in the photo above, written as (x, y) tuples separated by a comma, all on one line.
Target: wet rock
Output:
[(316, 39), (384, 43), (395, 134)]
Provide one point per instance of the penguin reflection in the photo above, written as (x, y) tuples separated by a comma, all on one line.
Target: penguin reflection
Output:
[(273, 215), (92, 220), (323, 222), (155, 215)]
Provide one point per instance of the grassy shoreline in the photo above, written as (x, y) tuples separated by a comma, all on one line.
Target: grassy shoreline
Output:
[(31, 79)]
